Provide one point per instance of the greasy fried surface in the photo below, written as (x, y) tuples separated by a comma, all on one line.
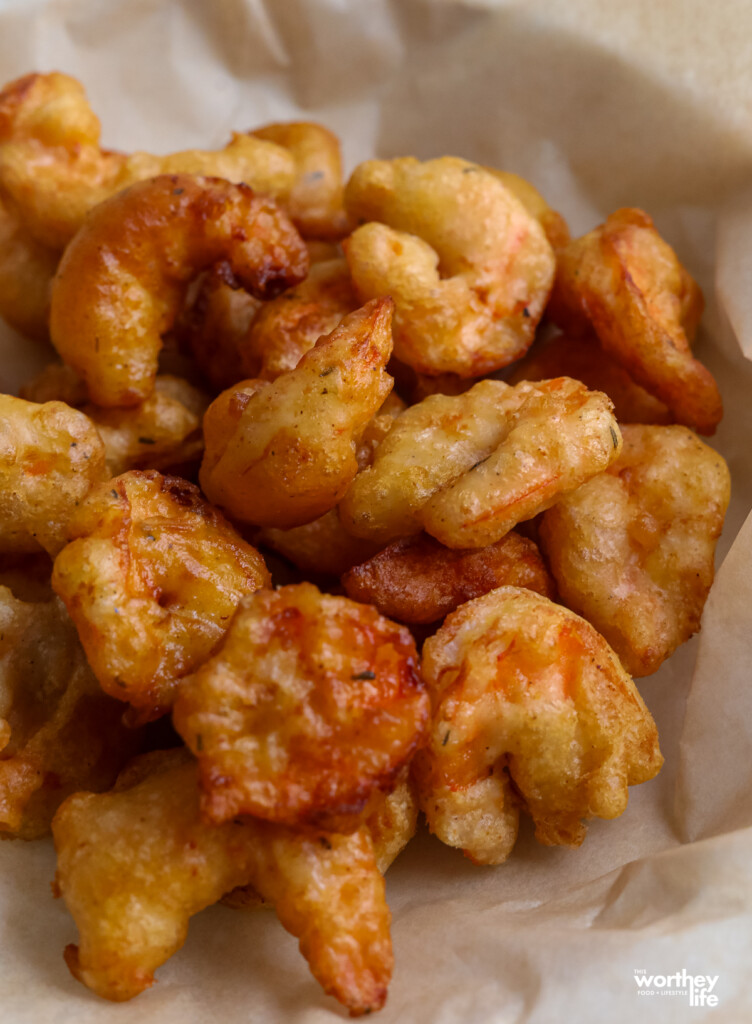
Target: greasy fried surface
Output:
[(419, 580), (135, 864), (468, 468), (312, 704), (315, 203), (58, 732), (122, 279), (523, 689), (632, 550), (290, 325), (628, 283), (582, 358), (50, 457), (151, 580), (26, 271), (468, 267), (53, 169), (552, 222), (213, 325), (286, 454), (164, 431)]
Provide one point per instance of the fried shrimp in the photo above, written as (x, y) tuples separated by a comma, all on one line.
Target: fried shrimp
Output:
[(164, 431), (524, 690), (135, 864), (290, 325), (313, 704), (26, 271), (632, 550), (626, 281), (552, 222), (122, 279), (582, 358), (283, 453), (469, 269), (468, 468), (50, 458), (418, 580), (315, 203), (58, 732), (151, 578), (53, 169)]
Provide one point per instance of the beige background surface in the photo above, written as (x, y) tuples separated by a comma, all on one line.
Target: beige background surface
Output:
[(601, 105)]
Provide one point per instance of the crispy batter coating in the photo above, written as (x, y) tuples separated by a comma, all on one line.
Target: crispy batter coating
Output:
[(523, 689), (164, 431), (286, 453), (632, 550), (469, 269), (213, 325), (53, 169), (313, 704), (135, 864), (290, 325), (50, 457), (58, 732), (324, 545), (626, 281), (582, 358), (151, 579), (468, 468), (122, 279), (26, 271), (418, 580), (316, 202), (557, 231)]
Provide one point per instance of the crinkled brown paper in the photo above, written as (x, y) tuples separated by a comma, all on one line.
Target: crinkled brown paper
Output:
[(644, 103)]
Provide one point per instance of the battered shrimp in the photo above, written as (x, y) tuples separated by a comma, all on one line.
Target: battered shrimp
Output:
[(134, 865), (286, 328), (284, 453), (50, 458), (122, 279), (468, 468), (313, 704), (316, 201), (53, 169), (324, 545), (582, 358), (420, 581), (626, 281), (58, 732), (632, 550), (164, 431), (151, 579), (26, 271), (552, 222), (469, 269), (524, 690)]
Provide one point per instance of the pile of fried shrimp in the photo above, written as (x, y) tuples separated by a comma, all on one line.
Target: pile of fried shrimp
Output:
[(345, 501)]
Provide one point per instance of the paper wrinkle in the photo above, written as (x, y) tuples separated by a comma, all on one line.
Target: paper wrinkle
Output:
[(600, 105)]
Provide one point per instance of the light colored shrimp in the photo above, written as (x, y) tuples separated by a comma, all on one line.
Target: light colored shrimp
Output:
[(627, 282), (469, 269), (632, 549), (312, 705), (285, 454), (58, 732), (50, 458), (524, 690), (135, 864), (123, 277), (468, 468), (151, 578)]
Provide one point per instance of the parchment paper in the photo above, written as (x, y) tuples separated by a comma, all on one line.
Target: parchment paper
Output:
[(647, 103)]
